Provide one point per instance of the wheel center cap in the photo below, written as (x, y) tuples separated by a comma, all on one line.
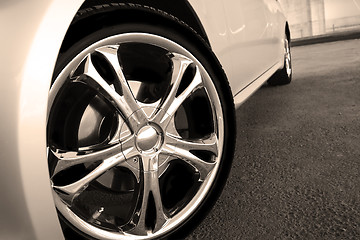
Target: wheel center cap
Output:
[(148, 139)]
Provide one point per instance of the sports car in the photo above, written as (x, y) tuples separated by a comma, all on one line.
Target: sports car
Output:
[(118, 116)]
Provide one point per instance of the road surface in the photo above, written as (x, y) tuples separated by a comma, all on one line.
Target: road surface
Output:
[(296, 172)]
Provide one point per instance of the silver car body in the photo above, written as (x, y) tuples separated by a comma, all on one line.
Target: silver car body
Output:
[(246, 36)]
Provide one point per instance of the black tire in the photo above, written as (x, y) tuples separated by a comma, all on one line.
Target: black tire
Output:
[(207, 113), (284, 75)]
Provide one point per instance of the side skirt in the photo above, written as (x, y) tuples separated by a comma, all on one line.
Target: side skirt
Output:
[(247, 91)]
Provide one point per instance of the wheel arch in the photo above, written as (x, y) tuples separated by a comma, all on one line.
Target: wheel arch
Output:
[(118, 11), (287, 31)]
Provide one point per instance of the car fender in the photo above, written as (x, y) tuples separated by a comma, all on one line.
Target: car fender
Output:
[(28, 57)]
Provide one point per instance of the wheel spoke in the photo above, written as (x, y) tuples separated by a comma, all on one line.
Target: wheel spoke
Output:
[(113, 156), (174, 144), (209, 144), (135, 170), (71, 191), (92, 78), (180, 64), (131, 153), (164, 166), (121, 84), (150, 188), (176, 150), (117, 135), (193, 86), (67, 159)]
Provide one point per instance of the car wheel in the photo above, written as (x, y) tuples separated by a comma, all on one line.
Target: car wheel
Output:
[(284, 75), (140, 132)]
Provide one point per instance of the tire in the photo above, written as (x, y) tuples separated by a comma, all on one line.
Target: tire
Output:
[(284, 75), (140, 132)]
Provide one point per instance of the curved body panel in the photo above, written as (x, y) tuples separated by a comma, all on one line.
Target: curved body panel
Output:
[(34, 31), (246, 35)]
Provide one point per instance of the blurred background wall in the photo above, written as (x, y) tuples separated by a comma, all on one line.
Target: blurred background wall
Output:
[(317, 17)]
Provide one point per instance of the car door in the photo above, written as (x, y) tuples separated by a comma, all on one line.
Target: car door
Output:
[(253, 42)]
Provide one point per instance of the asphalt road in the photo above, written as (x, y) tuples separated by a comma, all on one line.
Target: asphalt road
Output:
[(296, 172)]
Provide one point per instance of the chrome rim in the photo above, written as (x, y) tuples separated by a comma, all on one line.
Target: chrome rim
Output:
[(135, 137), (288, 58)]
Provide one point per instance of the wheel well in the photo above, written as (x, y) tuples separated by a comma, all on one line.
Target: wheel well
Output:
[(287, 32), (118, 11)]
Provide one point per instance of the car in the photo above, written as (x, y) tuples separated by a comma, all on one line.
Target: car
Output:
[(119, 115)]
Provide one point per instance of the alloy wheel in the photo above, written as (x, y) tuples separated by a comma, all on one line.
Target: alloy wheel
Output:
[(135, 137), (288, 58)]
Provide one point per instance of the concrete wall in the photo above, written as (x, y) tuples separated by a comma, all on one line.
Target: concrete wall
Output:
[(299, 15), (316, 17), (346, 23)]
